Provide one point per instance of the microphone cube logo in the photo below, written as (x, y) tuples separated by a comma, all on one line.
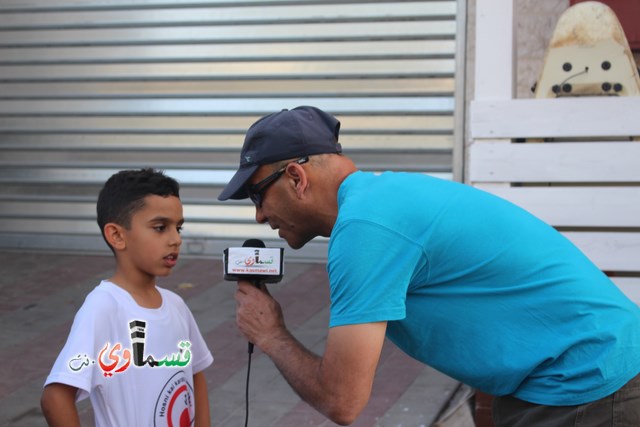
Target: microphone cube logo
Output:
[(253, 261)]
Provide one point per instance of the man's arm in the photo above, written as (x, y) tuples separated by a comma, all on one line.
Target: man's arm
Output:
[(339, 383), (58, 403), (203, 417)]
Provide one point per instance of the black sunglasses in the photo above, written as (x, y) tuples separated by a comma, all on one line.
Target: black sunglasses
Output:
[(255, 191)]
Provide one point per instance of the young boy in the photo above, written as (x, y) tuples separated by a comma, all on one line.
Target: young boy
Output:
[(134, 348)]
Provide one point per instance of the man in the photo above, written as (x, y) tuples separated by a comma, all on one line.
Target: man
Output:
[(457, 278)]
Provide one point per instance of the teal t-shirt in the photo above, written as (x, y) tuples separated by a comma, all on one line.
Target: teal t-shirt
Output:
[(479, 289)]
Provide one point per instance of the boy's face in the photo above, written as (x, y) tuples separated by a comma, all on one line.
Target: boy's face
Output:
[(153, 239)]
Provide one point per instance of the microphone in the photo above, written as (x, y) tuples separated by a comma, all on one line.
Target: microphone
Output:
[(255, 263)]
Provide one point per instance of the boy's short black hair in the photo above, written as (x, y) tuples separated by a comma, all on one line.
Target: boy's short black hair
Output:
[(124, 192)]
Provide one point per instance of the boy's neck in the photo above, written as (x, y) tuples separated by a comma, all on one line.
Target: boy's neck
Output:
[(142, 289)]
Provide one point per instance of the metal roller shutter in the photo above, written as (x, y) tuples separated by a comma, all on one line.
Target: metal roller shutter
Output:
[(89, 87)]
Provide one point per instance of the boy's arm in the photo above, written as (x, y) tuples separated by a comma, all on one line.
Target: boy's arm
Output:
[(203, 418), (58, 405)]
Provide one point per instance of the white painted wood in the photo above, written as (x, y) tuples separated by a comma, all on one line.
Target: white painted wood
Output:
[(576, 206), (555, 162), (472, 161), (610, 251), (494, 60), (494, 165), (556, 118), (630, 286)]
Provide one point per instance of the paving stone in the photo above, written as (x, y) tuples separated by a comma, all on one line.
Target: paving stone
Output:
[(41, 293)]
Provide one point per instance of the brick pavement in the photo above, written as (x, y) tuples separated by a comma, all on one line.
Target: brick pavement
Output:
[(42, 291)]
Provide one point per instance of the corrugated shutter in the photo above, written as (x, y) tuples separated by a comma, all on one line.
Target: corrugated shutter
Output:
[(89, 87)]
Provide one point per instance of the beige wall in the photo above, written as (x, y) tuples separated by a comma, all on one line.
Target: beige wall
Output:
[(535, 22)]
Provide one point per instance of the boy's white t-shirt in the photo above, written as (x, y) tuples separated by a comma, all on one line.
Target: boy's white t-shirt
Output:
[(99, 358)]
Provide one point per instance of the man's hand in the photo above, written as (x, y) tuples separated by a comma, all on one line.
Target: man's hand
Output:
[(338, 384), (258, 315)]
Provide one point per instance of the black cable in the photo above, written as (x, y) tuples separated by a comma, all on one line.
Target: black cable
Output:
[(256, 283), (246, 393)]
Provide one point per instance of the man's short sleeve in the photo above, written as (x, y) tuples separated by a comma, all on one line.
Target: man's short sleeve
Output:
[(370, 268)]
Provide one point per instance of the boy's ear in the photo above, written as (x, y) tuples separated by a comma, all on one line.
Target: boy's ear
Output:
[(114, 234)]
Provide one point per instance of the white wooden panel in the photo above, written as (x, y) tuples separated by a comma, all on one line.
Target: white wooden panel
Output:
[(494, 67), (554, 162), (577, 206), (494, 165), (630, 286), (609, 251), (580, 117)]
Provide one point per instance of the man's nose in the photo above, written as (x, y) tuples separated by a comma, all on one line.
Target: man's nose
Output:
[(260, 217)]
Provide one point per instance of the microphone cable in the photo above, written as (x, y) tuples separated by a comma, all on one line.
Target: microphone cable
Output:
[(255, 283), (246, 393)]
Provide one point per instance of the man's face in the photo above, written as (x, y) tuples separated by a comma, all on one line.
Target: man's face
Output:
[(283, 210)]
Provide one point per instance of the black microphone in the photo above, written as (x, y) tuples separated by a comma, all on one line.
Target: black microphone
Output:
[(255, 263)]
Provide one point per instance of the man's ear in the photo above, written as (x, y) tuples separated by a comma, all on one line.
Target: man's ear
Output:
[(298, 178), (114, 234)]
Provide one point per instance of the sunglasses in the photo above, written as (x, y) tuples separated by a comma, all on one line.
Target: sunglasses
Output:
[(257, 190)]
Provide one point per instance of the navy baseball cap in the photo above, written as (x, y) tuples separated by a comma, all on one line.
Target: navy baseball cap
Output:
[(302, 131)]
